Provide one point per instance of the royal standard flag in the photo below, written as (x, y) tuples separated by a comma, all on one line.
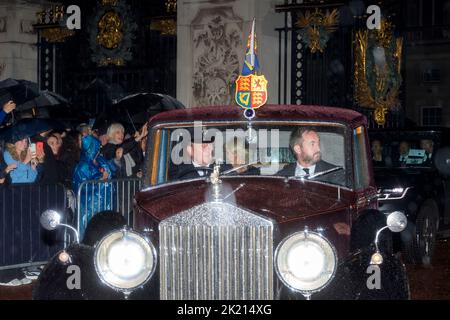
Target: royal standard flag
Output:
[(251, 88), (251, 63)]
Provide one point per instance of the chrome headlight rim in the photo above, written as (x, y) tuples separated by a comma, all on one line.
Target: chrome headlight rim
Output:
[(334, 259), (144, 240)]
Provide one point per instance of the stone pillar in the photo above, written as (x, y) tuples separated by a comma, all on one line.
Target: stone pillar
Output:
[(18, 50), (211, 41)]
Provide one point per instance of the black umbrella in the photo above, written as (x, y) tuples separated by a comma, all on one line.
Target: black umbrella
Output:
[(137, 108), (138, 102), (28, 128), (20, 91), (45, 99)]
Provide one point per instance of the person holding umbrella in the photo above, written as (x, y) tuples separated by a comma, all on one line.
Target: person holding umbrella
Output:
[(18, 147), (126, 153), (7, 108)]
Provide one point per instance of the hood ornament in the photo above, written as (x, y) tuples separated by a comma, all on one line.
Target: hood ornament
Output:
[(216, 183)]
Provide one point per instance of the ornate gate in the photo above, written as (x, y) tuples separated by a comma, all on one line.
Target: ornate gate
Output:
[(322, 72)]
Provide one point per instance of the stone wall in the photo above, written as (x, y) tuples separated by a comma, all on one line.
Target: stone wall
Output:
[(18, 51)]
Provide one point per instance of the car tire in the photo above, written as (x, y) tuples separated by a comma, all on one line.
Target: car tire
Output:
[(100, 225), (419, 242)]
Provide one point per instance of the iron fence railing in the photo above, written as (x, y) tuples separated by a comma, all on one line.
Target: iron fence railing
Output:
[(95, 196), (22, 240)]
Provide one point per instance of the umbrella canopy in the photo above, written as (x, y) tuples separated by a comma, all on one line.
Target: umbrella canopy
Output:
[(45, 99), (138, 102), (20, 91), (137, 108), (28, 128)]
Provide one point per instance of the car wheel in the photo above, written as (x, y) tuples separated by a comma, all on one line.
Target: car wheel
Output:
[(100, 225), (418, 246)]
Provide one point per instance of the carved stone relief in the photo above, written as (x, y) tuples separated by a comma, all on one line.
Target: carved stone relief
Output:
[(217, 49), (26, 26)]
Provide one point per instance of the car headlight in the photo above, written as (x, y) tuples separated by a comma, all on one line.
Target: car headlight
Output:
[(305, 262), (124, 260)]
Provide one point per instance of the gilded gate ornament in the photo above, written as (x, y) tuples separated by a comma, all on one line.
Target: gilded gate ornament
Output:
[(316, 28), (113, 32), (377, 77), (110, 33)]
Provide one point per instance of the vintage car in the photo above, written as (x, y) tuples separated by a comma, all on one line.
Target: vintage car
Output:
[(412, 176), (226, 232)]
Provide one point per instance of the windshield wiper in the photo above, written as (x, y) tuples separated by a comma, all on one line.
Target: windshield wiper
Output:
[(322, 173)]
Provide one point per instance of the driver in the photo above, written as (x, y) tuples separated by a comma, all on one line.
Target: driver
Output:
[(305, 144), (427, 145), (201, 160)]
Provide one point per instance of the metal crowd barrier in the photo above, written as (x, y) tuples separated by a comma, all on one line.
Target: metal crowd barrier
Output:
[(95, 196), (23, 242)]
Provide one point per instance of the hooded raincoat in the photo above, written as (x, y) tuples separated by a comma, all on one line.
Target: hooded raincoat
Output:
[(94, 197)]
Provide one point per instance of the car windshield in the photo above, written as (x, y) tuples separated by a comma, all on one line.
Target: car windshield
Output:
[(402, 152), (189, 151)]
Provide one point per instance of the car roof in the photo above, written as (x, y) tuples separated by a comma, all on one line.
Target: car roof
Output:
[(267, 112), (415, 131), (430, 129), (437, 134)]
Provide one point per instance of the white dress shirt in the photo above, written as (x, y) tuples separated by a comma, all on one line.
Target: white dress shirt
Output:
[(201, 173), (299, 172)]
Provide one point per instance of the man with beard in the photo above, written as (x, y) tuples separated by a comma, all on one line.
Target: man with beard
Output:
[(305, 144)]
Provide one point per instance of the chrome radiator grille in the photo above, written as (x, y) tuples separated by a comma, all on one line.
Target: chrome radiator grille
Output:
[(216, 251)]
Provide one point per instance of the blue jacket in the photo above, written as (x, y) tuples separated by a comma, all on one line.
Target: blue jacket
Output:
[(87, 169), (2, 116), (24, 173)]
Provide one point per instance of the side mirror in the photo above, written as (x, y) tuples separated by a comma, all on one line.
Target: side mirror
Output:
[(397, 221), (442, 161), (50, 219)]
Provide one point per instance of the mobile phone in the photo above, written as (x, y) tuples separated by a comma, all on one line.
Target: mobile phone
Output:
[(33, 148), (40, 147)]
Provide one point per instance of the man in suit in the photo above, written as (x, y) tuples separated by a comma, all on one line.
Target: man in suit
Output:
[(305, 144), (403, 150), (200, 151), (427, 145)]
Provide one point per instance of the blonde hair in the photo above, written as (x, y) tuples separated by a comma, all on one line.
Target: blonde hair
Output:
[(11, 148), (113, 128)]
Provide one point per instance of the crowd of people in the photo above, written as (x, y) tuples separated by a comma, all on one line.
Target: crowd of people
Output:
[(71, 156)]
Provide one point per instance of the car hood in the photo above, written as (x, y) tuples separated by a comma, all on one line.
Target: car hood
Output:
[(271, 197), (387, 178)]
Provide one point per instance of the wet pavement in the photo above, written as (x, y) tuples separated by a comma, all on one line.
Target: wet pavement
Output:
[(432, 282), (425, 283)]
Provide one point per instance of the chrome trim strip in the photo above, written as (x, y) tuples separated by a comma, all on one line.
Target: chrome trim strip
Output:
[(387, 196)]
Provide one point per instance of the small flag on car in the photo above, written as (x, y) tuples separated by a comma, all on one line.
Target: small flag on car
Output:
[(251, 88)]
